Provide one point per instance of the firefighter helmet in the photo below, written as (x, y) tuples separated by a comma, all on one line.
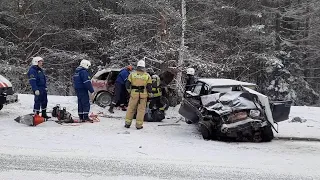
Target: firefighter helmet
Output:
[(141, 63), (36, 60), (85, 63), (190, 71)]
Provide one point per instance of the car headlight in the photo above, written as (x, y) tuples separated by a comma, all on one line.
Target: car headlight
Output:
[(254, 113)]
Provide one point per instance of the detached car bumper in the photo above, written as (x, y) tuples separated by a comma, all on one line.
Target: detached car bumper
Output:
[(8, 99)]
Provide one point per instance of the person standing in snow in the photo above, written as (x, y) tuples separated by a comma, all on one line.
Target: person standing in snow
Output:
[(139, 86), (38, 82), (82, 84), (120, 89), (190, 80)]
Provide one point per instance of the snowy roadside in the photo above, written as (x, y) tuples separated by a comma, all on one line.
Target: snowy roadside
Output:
[(308, 127), (178, 146)]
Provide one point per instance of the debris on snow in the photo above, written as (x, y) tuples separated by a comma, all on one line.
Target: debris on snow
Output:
[(298, 119)]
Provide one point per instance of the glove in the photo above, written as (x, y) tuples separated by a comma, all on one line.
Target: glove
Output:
[(37, 92), (91, 96)]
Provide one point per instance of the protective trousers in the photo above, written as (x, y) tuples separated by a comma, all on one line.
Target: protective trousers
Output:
[(40, 101), (136, 104), (118, 90), (83, 103), (124, 96)]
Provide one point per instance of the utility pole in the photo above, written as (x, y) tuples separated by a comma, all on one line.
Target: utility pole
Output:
[(182, 48)]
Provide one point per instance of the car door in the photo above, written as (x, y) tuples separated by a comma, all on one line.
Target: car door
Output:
[(99, 80), (192, 102), (280, 110)]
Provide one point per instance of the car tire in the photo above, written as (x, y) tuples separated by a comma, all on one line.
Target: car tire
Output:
[(165, 102), (1, 106), (188, 121), (103, 99), (205, 129), (267, 134)]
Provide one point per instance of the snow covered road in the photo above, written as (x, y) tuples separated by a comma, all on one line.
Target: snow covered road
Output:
[(271, 166)]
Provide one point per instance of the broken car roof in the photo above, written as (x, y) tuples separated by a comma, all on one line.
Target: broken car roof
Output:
[(224, 82)]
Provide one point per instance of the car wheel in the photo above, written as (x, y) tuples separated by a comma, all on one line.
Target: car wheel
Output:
[(1, 106), (165, 102), (103, 99), (188, 121), (205, 129), (267, 134)]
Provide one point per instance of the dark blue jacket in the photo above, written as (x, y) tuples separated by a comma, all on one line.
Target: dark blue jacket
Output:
[(37, 78), (81, 80), (123, 76)]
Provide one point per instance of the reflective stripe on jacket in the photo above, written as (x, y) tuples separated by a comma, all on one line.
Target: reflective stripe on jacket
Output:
[(139, 81), (37, 78), (156, 90), (81, 79)]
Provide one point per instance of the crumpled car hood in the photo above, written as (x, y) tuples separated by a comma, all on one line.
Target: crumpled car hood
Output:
[(225, 103)]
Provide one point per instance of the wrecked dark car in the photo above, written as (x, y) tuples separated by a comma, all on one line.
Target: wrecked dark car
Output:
[(227, 109)]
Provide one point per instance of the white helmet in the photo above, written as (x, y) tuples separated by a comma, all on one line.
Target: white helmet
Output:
[(190, 71), (156, 77), (85, 63), (141, 63), (35, 60)]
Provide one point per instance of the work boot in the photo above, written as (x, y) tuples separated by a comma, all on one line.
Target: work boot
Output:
[(139, 127), (86, 118), (111, 108), (127, 126), (44, 114), (80, 117), (123, 108)]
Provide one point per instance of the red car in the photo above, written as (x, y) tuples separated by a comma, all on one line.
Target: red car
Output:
[(103, 84)]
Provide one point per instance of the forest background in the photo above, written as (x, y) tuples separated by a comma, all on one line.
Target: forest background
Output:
[(273, 43)]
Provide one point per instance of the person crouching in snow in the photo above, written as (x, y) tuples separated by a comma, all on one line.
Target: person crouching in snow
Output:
[(120, 89), (82, 84), (38, 82)]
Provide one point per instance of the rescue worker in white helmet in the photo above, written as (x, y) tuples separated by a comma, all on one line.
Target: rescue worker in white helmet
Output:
[(38, 82), (139, 86), (190, 80), (82, 84)]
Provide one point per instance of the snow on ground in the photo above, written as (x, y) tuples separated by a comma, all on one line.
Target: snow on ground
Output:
[(176, 145), (309, 127)]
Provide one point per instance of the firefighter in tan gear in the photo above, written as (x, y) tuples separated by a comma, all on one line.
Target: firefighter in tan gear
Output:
[(139, 86)]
